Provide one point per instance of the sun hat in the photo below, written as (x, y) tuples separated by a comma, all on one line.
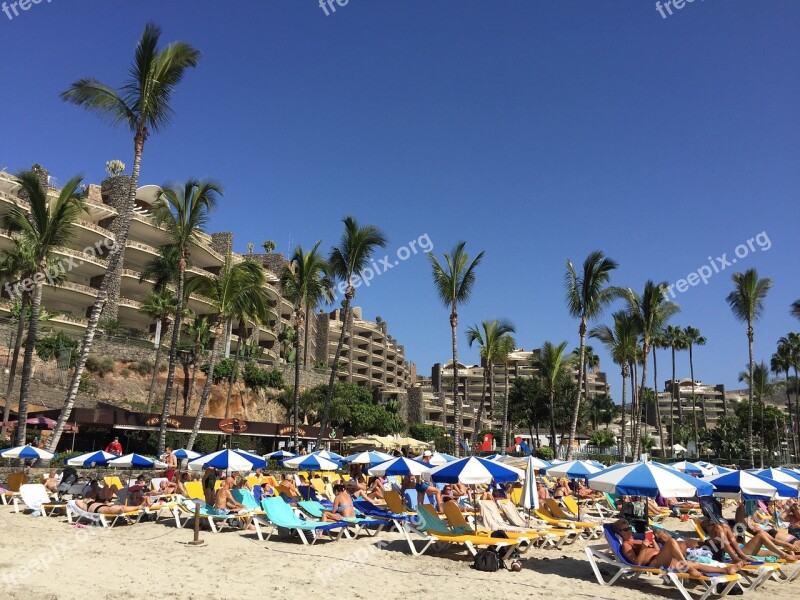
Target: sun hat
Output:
[(427, 453)]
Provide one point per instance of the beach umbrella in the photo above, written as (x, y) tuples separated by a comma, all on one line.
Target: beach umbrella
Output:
[(279, 455), (557, 461), (228, 460), (494, 456), (781, 476), (530, 496), (438, 459), (312, 462), (27, 453), (136, 461), (522, 463), (183, 454), (400, 466), (749, 486), (691, 468), (327, 454), (473, 470), (91, 459), (648, 479), (573, 469), (367, 458), (714, 469)]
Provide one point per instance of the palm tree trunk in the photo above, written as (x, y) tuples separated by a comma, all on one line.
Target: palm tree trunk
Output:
[(658, 407), (235, 368), (14, 360), (479, 419), (215, 352), (457, 425), (326, 409), (694, 404), (491, 396), (173, 355), (750, 395), (185, 366), (636, 397), (102, 294), (305, 340), (581, 377), (27, 363), (153, 379), (796, 410), (623, 450), (507, 433), (763, 431), (195, 364), (553, 420), (296, 403)]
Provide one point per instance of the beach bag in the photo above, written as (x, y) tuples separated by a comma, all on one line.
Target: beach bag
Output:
[(488, 560)]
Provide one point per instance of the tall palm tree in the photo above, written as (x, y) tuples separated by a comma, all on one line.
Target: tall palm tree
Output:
[(591, 361), (453, 283), (620, 342), (673, 339), (781, 362), (588, 294), (758, 381), (238, 289), (658, 342), (792, 343), (552, 365), (747, 304), (489, 337), (651, 311), (161, 307), (692, 338), (305, 283), (143, 105), (507, 346), (199, 331), (43, 227), (183, 212), (795, 310), (347, 260)]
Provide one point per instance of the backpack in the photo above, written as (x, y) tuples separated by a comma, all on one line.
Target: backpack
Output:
[(488, 560)]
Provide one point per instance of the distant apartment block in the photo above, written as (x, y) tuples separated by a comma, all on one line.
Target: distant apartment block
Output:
[(676, 400)]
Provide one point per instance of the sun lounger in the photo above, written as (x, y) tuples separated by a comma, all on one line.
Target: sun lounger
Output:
[(456, 521), (590, 532), (611, 556), (540, 535), (15, 481), (591, 529), (129, 517), (214, 517), (35, 498), (583, 512), (316, 510), (394, 502), (280, 515), (397, 519)]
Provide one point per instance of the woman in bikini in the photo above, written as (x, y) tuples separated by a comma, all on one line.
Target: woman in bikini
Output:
[(101, 508), (342, 505)]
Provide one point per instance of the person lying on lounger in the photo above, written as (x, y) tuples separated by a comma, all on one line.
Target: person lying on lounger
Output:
[(647, 553), (101, 508), (758, 545), (746, 516), (342, 505)]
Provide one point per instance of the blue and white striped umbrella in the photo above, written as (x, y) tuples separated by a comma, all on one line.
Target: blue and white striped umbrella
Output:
[(749, 486), (327, 454), (648, 479), (783, 476), (137, 461), (400, 466), (573, 469), (312, 462), (691, 468), (279, 455), (183, 454), (494, 456), (234, 460), (91, 459), (715, 469), (27, 452), (473, 470), (438, 459), (367, 458)]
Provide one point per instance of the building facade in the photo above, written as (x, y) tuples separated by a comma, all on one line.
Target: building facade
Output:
[(676, 401)]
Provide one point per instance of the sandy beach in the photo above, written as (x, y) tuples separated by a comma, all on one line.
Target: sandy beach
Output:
[(48, 558)]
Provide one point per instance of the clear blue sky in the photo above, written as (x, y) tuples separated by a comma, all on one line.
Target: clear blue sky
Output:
[(536, 131)]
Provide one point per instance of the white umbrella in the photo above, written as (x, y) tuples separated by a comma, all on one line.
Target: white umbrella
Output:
[(437, 459), (781, 476), (138, 461), (233, 460), (472, 471), (691, 468), (27, 453), (648, 479), (399, 466), (573, 469), (91, 459), (312, 462), (530, 495)]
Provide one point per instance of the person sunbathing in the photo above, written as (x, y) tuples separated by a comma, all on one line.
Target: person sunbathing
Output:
[(223, 501), (562, 489), (693, 550), (51, 483), (101, 508), (375, 488), (106, 494), (745, 516), (342, 505), (646, 553), (722, 534)]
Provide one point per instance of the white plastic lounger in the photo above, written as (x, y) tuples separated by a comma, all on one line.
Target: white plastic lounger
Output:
[(95, 518)]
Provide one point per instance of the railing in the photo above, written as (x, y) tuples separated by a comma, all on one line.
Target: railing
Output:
[(81, 256), (141, 246), (96, 228)]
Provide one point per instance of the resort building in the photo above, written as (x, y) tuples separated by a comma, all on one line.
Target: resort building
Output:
[(676, 400)]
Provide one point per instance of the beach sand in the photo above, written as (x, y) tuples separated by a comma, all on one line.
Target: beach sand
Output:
[(46, 558)]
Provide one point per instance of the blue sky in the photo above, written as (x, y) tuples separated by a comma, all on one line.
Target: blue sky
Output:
[(536, 131)]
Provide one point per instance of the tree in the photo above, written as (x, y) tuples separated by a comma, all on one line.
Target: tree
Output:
[(747, 304), (658, 342), (143, 104), (347, 260), (602, 439), (507, 346), (588, 295), (489, 337), (268, 246), (183, 212), (41, 228), (453, 283), (552, 366), (304, 282), (672, 336), (161, 307), (781, 362), (725, 439), (795, 310), (239, 289), (528, 405), (758, 382), (650, 312), (691, 338), (601, 409), (621, 343), (199, 331)]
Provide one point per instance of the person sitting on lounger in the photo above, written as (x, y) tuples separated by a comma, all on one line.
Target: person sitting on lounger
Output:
[(583, 492), (51, 483), (562, 489), (100, 507), (375, 488), (646, 553), (342, 505), (427, 489), (106, 494), (745, 516), (223, 501)]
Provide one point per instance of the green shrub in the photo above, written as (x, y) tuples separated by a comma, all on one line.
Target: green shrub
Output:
[(257, 378), (100, 366), (222, 370), (144, 367), (86, 386), (163, 366), (544, 452), (49, 347)]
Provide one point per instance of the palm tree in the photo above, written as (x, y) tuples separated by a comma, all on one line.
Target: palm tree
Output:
[(747, 304), (42, 228), (143, 104), (692, 337), (489, 337), (239, 289), (591, 361), (453, 282), (552, 366), (161, 307), (305, 283), (658, 342), (199, 331), (507, 346), (588, 295), (673, 339), (758, 382), (346, 261), (781, 362), (183, 212), (650, 311), (795, 310), (621, 343)]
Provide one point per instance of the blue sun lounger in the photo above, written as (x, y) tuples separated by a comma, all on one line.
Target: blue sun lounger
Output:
[(280, 515)]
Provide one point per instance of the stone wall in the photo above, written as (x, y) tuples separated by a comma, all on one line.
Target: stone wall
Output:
[(222, 243), (413, 413), (115, 192)]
